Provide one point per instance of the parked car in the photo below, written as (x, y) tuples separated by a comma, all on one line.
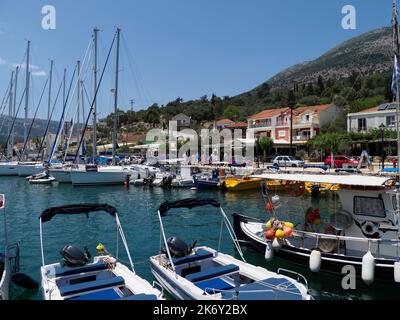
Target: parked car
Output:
[(288, 161), (341, 161)]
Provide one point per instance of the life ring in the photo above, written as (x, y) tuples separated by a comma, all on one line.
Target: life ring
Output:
[(295, 189)]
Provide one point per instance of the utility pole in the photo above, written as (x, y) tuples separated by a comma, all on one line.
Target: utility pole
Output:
[(132, 101), (95, 31), (115, 136)]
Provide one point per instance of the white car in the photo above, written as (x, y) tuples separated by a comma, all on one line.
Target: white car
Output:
[(288, 161)]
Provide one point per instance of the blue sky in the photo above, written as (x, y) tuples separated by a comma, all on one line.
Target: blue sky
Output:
[(184, 48)]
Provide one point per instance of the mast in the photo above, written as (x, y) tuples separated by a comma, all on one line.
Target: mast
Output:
[(95, 31), (49, 99), (27, 92), (116, 99), (78, 95), (15, 101), (10, 111)]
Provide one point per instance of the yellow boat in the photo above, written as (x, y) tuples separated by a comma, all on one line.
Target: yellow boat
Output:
[(241, 184), (323, 187)]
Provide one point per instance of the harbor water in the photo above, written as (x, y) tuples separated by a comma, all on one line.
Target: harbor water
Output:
[(137, 207)]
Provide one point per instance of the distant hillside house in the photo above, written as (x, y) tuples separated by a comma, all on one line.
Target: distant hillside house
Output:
[(183, 121), (224, 123), (372, 118), (307, 123)]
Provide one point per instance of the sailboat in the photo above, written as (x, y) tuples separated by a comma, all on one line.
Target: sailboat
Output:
[(108, 175)]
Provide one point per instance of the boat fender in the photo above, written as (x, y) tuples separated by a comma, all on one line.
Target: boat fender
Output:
[(397, 271), (315, 261), (24, 281), (276, 245), (269, 251), (368, 268)]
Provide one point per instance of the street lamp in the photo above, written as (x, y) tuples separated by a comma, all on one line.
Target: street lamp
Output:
[(382, 127)]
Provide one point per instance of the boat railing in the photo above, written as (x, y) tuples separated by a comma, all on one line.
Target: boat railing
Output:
[(159, 286), (319, 236), (299, 277)]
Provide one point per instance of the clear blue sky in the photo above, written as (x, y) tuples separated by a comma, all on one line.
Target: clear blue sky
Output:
[(184, 48)]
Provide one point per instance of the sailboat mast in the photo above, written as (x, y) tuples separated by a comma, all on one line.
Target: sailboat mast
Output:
[(27, 91), (95, 31), (79, 105), (116, 100), (15, 101), (49, 98), (10, 111)]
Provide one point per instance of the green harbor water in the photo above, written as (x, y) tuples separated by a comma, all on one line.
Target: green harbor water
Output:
[(137, 209)]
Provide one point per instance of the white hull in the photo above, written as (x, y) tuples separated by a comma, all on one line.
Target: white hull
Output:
[(8, 169), (183, 289), (61, 175), (135, 284), (182, 183), (26, 170), (104, 176), (5, 281)]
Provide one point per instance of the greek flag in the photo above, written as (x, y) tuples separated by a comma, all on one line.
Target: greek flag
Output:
[(396, 78)]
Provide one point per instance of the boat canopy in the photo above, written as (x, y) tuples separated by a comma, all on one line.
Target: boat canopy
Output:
[(186, 203), (349, 180), (49, 213)]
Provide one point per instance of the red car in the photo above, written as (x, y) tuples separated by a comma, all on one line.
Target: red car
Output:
[(339, 161)]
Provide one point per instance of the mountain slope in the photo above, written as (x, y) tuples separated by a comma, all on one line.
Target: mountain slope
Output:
[(367, 53)]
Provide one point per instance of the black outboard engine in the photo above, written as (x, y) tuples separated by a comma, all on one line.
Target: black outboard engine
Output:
[(73, 256), (177, 247)]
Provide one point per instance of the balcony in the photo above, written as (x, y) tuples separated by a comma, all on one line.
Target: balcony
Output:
[(261, 124)]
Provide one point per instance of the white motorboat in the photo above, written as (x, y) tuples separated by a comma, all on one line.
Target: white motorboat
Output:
[(41, 178), (162, 179), (202, 273), (79, 277), (93, 175), (26, 169), (184, 179), (364, 233), (8, 168)]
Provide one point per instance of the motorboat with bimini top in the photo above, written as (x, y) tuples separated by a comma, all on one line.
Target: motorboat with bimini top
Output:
[(202, 273), (363, 232), (80, 277)]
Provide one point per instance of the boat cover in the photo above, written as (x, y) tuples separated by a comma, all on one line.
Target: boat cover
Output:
[(49, 213), (186, 203)]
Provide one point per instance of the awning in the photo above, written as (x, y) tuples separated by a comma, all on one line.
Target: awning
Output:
[(349, 180)]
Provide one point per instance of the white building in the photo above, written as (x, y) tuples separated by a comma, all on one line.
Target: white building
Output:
[(369, 119)]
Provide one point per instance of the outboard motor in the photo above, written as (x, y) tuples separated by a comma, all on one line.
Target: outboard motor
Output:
[(74, 257), (177, 247)]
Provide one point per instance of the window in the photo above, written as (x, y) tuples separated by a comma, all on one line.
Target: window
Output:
[(362, 124), (371, 207), (282, 133), (308, 118), (390, 121)]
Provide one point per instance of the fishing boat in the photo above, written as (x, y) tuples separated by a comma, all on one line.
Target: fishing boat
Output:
[(241, 184), (80, 277), (207, 180), (313, 188), (364, 233), (202, 273)]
